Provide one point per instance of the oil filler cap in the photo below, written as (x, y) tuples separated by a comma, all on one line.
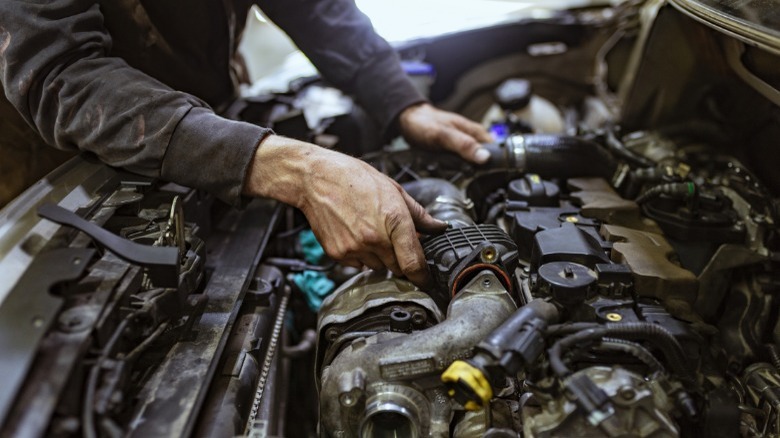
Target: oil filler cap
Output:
[(567, 282)]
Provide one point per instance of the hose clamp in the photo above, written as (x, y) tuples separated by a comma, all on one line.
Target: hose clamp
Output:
[(516, 146)]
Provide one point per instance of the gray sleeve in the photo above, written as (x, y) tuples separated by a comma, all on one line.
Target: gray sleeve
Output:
[(55, 70), (342, 44)]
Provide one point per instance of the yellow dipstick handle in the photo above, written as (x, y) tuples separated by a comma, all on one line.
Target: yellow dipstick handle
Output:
[(470, 377)]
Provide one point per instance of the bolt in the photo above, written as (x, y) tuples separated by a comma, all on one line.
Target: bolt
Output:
[(347, 400), (614, 317), (419, 318), (37, 322), (627, 392), (486, 283)]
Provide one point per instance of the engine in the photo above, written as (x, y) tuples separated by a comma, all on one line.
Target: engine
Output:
[(610, 271), (574, 294)]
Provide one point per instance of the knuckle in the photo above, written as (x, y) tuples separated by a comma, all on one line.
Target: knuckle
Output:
[(394, 219), (465, 143), (337, 253), (372, 237), (439, 135), (337, 250)]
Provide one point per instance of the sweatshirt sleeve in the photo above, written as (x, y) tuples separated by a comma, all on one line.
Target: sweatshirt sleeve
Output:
[(56, 70), (342, 44)]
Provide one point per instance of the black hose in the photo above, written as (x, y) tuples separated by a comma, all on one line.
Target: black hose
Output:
[(494, 213), (653, 333), (618, 148), (568, 328), (442, 199), (567, 157), (306, 344), (635, 350), (553, 156), (555, 352), (774, 355), (677, 190), (426, 190)]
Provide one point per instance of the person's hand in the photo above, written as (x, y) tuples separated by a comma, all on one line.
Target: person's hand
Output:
[(428, 127), (360, 216)]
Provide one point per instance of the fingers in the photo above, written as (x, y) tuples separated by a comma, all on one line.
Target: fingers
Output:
[(430, 127), (474, 153), (374, 262), (464, 145), (474, 129), (407, 248), (423, 221), (388, 260)]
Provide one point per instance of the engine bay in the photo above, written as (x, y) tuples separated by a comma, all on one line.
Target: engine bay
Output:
[(611, 271)]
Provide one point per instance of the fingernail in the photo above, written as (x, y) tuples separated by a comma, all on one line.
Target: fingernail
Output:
[(481, 156)]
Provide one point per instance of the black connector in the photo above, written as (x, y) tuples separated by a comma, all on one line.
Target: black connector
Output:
[(593, 401), (518, 342)]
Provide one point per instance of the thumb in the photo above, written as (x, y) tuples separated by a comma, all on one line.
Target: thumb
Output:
[(464, 145), (423, 221)]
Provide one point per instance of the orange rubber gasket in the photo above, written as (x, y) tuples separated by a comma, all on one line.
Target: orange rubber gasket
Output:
[(502, 276)]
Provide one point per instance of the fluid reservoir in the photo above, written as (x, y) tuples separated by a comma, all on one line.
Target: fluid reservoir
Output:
[(517, 109)]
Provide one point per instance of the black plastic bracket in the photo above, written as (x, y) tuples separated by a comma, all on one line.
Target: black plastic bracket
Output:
[(162, 262)]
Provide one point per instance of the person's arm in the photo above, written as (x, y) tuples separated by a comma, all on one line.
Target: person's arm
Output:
[(56, 70), (342, 44)]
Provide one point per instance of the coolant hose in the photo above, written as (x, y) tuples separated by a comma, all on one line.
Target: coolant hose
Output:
[(552, 156)]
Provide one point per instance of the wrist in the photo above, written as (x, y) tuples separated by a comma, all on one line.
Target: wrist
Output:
[(279, 169), (407, 114)]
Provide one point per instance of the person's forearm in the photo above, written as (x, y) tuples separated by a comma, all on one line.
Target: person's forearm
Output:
[(342, 44), (78, 97)]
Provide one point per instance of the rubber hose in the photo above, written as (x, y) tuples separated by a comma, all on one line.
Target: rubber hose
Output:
[(566, 157), (553, 156), (426, 190), (306, 344), (442, 199), (634, 349), (652, 333), (774, 355)]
